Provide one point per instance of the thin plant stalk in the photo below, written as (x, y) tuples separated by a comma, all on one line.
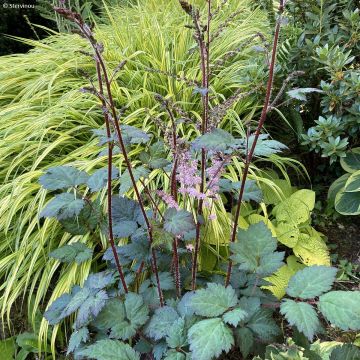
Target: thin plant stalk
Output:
[(250, 154), (97, 48), (205, 73), (109, 184)]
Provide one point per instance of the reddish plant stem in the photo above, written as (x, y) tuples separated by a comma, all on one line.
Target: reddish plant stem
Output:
[(205, 66), (109, 184), (174, 194), (99, 60), (250, 154), (152, 200)]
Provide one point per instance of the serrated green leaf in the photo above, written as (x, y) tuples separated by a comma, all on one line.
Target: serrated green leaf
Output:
[(175, 355), (251, 190), (126, 216), (77, 252), (63, 177), (159, 350), (125, 179), (341, 308), (255, 250), (136, 311), (302, 315), (213, 301), (122, 330), (90, 308), (166, 280), (345, 352), (209, 338), (155, 158), (133, 135), (176, 337), (99, 178), (245, 340), (100, 280), (55, 310), (263, 325), (160, 322), (112, 313), (311, 281), (178, 222), (109, 350), (233, 317), (217, 140), (63, 206), (88, 219), (263, 147), (76, 338), (250, 304)]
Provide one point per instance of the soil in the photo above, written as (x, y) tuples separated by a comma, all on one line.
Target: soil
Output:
[(346, 236)]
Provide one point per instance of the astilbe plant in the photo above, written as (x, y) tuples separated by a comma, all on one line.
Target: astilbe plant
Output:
[(152, 302)]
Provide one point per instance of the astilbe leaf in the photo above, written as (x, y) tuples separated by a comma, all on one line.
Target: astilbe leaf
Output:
[(110, 315), (233, 317), (214, 300), (77, 252), (178, 222), (245, 340), (127, 217), (63, 177), (76, 338), (263, 325), (125, 179), (216, 140), (251, 190), (163, 318), (176, 336), (86, 221), (209, 338), (341, 308), (175, 355), (63, 206), (311, 281), (302, 315), (255, 250), (99, 178), (109, 350)]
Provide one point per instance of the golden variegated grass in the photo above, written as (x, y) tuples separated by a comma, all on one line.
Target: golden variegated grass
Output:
[(45, 121)]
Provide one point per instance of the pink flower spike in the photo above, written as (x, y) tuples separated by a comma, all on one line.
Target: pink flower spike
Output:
[(212, 217)]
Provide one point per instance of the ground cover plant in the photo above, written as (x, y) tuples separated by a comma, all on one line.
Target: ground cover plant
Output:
[(188, 245)]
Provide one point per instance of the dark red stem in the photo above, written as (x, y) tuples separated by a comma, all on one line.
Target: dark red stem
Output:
[(204, 56), (109, 185), (250, 154)]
